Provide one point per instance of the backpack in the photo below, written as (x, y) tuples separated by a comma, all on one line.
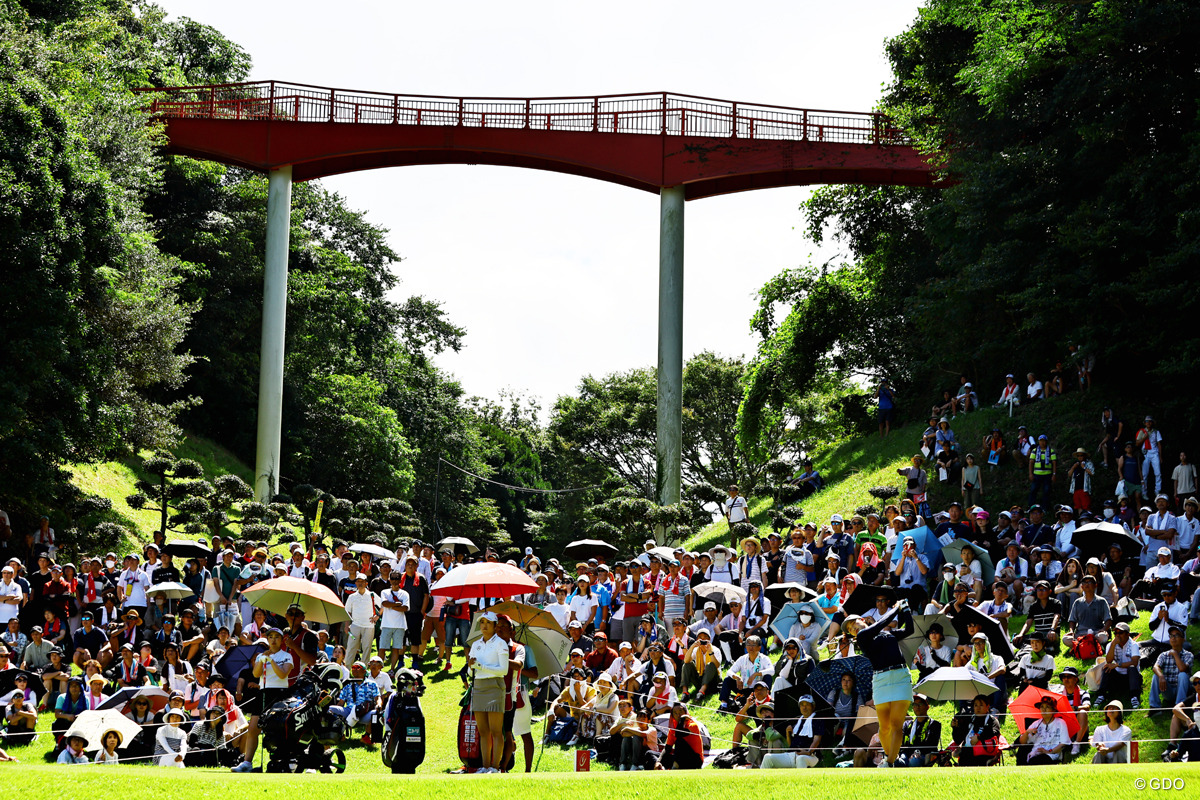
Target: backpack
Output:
[(736, 757), (1086, 647), (562, 730)]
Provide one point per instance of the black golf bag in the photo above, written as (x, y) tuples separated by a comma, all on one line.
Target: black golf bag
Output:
[(404, 743), (300, 732)]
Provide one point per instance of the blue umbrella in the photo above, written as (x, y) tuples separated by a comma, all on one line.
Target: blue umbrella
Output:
[(789, 614), (827, 677), (927, 545)]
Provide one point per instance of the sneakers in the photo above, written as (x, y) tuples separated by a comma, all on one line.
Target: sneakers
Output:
[(1135, 702), (245, 766), (884, 763), (637, 768), (446, 667), (1075, 749), (622, 768), (573, 742), (366, 739)]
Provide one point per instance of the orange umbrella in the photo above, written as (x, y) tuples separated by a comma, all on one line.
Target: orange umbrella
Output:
[(319, 604), (1025, 709), (483, 580)]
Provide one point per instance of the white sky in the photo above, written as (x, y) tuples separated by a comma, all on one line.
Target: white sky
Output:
[(555, 276)]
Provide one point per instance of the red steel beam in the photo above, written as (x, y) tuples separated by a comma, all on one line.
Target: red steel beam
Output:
[(706, 166)]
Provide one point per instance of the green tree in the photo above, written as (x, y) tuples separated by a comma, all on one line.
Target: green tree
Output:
[(90, 323)]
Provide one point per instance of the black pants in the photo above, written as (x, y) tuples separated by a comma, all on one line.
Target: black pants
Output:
[(1113, 682)]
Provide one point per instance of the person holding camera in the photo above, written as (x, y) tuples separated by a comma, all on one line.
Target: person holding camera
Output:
[(910, 571)]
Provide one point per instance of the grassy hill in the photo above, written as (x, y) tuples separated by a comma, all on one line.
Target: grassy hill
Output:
[(857, 465), (116, 480)]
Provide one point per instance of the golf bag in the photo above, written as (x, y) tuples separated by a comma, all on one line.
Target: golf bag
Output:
[(468, 740), (300, 732), (404, 743)]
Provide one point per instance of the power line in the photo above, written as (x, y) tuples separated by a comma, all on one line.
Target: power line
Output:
[(516, 488)]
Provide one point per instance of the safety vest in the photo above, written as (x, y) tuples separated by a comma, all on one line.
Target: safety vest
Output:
[(1042, 460)]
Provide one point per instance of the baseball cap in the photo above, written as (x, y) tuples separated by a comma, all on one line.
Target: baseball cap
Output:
[(710, 606), (1164, 551), (835, 518), (1123, 627)]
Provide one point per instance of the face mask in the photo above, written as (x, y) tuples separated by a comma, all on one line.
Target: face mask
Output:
[(110, 563), (1109, 513), (805, 619), (719, 560)]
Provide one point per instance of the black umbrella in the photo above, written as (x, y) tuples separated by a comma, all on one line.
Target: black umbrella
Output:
[(8, 682), (121, 697), (589, 548), (988, 626), (1094, 539), (186, 548), (827, 677), (234, 661), (863, 598)]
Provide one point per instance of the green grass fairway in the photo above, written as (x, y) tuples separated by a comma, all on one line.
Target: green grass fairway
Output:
[(1109, 781)]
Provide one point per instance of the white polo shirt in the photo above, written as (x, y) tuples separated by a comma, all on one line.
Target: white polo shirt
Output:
[(8, 610)]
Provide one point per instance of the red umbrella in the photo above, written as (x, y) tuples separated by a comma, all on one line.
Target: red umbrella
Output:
[(488, 579), (1024, 709)]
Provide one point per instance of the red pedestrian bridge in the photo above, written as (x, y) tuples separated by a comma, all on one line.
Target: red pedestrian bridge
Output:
[(682, 147), (648, 141)]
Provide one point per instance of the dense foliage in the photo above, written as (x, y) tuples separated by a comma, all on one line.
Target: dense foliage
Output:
[(1067, 136)]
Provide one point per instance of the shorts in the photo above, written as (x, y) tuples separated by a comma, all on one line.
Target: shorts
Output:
[(457, 629), (392, 638), (416, 621), (266, 698), (891, 685), (522, 722), (887, 414)]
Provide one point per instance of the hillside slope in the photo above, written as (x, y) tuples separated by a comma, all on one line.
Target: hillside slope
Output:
[(857, 465)]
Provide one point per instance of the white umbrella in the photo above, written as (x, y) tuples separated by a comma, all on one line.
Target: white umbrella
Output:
[(663, 553), (722, 592), (171, 590), (92, 725), (373, 549), (955, 683), (921, 622)]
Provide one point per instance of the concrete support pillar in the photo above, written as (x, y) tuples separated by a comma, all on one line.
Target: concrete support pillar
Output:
[(670, 344), (270, 374)]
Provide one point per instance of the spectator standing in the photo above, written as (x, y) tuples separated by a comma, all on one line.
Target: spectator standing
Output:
[(1079, 480), (1114, 430), (1183, 480), (1043, 464), (735, 510), (1149, 439), (887, 407), (971, 483)]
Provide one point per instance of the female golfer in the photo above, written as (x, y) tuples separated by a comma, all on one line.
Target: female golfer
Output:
[(892, 682), (489, 665)]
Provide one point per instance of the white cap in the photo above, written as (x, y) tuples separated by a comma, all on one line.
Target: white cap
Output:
[(528, 551), (1164, 551), (835, 518)]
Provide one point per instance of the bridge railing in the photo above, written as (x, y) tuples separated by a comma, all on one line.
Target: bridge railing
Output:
[(658, 113)]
